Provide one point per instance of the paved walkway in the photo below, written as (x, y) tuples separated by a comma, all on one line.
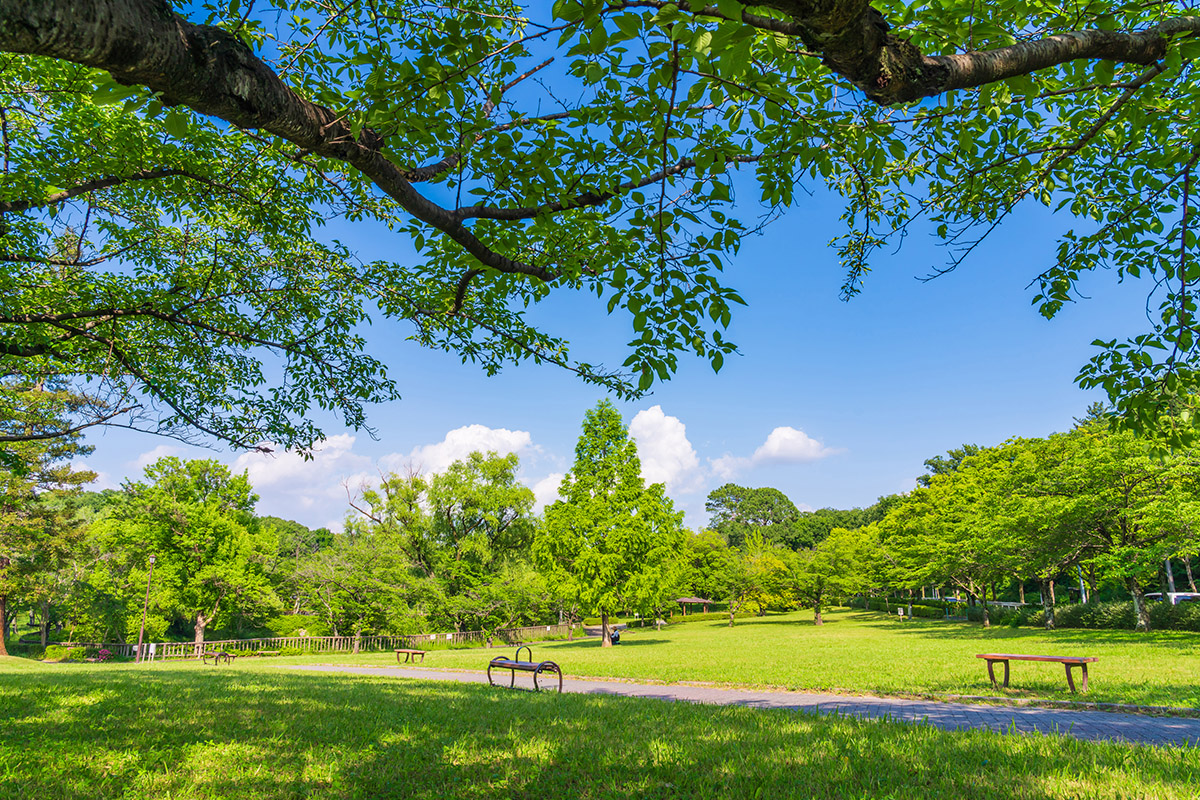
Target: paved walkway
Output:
[(1093, 725)]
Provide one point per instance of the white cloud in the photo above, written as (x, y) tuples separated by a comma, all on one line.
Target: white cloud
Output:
[(666, 454), (727, 466), (458, 444), (149, 457), (787, 445), (103, 479), (545, 491), (784, 445), (290, 486)]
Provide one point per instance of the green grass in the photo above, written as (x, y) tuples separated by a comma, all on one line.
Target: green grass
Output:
[(870, 653), (186, 731)]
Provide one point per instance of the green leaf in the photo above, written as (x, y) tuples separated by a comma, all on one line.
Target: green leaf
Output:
[(176, 123)]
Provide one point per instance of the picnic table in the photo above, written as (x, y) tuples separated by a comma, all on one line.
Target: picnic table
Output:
[(515, 665), (1069, 662), (216, 656), (410, 655)]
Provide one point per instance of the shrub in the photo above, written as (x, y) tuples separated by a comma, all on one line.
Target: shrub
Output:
[(56, 652), (293, 624)]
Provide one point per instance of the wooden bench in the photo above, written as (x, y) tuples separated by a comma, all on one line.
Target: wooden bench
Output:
[(410, 655), (1067, 661), (216, 656), (515, 665)]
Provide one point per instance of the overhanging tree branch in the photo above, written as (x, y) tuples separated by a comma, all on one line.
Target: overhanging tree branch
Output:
[(144, 42)]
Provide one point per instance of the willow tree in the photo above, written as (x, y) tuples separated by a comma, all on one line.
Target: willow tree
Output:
[(167, 171)]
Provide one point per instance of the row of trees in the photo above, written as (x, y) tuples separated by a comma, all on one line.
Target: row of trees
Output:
[(1095, 504), (463, 550), (458, 550)]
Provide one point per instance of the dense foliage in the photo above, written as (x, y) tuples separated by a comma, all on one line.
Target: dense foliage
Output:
[(167, 172)]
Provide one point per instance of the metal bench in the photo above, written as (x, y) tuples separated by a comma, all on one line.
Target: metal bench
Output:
[(216, 656), (1067, 661), (515, 665), (410, 655)]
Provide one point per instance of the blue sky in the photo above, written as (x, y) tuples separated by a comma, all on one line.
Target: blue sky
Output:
[(833, 403)]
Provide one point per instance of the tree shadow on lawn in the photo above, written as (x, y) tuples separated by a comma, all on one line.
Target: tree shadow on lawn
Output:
[(976, 631), (254, 735)]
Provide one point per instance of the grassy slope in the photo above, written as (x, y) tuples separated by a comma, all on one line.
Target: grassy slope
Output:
[(870, 653), (183, 730)]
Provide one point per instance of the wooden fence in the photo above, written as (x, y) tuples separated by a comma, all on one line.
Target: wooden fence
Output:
[(333, 644)]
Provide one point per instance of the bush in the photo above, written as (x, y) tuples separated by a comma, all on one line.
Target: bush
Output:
[(292, 624), (56, 652)]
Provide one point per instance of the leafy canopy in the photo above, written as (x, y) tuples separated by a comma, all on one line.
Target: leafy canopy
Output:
[(168, 173)]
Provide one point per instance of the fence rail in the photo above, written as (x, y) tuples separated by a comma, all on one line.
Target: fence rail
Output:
[(330, 644)]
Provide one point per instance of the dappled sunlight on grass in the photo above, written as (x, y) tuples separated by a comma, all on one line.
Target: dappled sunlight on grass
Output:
[(175, 731)]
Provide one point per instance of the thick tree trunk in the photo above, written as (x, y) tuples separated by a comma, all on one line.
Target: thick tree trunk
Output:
[(1170, 572), (817, 612), (987, 618), (1021, 591), (1187, 566), (201, 624), (1139, 605), (605, 638), (1048, 603), (45, 623)]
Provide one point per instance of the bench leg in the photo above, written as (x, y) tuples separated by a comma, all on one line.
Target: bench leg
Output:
[(992, 674), (1071, 682)]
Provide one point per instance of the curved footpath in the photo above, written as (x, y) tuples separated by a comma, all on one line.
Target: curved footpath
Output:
[(1092, 725)]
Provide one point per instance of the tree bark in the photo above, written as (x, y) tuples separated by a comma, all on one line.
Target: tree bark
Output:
[(45, 623), (1187, 566), (1048, 603), (1139, 605), (198, 629), (1170, 572), (1021, 591), (605, 639)]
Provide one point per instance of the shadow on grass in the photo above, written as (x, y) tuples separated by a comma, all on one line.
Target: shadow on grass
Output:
[(187, 733), (975, 631)]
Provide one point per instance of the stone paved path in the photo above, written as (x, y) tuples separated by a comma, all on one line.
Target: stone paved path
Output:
[(1093, 725)]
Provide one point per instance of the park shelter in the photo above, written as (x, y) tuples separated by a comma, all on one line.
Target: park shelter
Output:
[(684, 602)]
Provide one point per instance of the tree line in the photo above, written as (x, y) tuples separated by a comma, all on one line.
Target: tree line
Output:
[(463, 550)]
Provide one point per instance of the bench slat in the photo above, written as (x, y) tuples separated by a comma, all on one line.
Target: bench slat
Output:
[(1055, 659)]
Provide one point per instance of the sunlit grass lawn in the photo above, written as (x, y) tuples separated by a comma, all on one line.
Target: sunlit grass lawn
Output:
[(250, 731), (869, 653)]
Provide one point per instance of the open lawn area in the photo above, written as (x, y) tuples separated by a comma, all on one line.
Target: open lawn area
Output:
[(870, 653), (186, 731)]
